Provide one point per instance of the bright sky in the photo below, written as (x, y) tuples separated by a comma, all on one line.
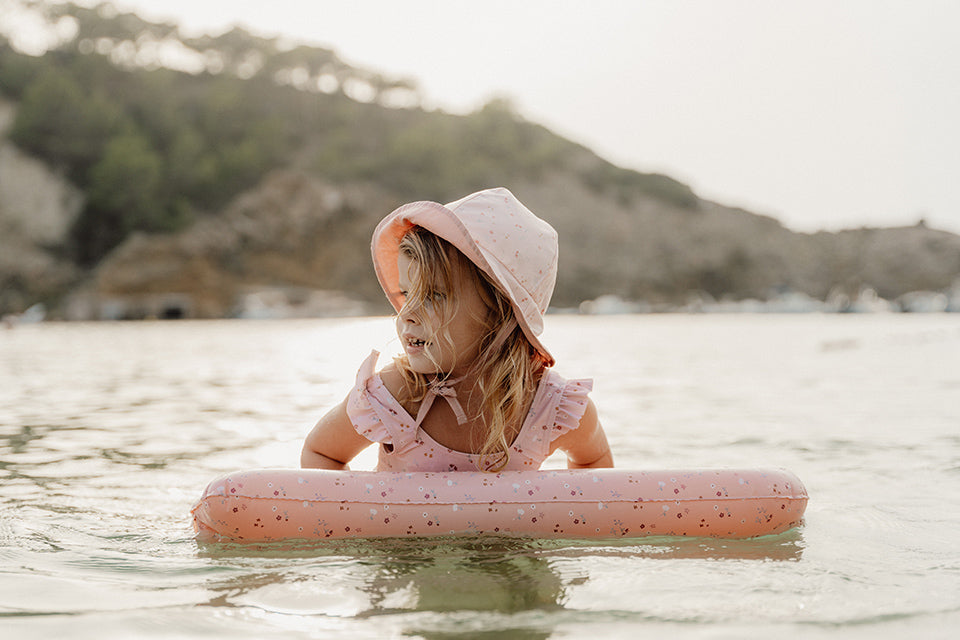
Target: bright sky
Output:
[(823, 114)]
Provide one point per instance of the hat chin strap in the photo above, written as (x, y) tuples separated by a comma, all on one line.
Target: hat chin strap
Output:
[(444, 389)]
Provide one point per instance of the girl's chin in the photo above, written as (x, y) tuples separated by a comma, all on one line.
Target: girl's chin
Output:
[(420, 363)]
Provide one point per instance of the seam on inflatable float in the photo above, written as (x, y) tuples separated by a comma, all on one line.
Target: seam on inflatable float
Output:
[(512, 501)]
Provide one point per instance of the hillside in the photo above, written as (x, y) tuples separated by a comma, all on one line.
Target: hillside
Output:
[(300, 245), (130, 189)]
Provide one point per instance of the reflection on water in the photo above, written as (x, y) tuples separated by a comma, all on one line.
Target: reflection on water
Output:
[(785, 546), (374, 577), (505, 575), (360, 579)]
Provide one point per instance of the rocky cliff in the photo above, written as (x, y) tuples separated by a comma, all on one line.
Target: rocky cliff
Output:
[(294, 245), (37, 208), (291, 246)]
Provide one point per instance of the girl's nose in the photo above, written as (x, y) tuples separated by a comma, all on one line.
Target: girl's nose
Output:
[(407, 314)]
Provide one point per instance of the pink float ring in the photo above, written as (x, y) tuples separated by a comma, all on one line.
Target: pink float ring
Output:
[(281, 504)]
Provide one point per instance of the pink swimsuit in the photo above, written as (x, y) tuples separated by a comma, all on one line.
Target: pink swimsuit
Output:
[(557, 408)]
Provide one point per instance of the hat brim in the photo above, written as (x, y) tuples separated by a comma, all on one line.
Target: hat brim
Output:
[(441, 221)]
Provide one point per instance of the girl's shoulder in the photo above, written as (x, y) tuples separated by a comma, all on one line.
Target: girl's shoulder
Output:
[(391, 378)]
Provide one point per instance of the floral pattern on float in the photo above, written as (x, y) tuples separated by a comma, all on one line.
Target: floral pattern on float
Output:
[(287, 504)]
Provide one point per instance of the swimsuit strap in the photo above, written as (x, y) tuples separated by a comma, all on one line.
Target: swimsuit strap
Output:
[(443, 388)]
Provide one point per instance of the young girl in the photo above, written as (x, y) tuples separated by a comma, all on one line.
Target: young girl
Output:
[(470, 281)]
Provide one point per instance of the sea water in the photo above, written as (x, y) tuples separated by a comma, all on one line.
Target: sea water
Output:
[(109, 432)]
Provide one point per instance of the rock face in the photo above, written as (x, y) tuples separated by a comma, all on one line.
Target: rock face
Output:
[(294, 245), (37, 209), (892, 261), (650, 251), (287, 247)]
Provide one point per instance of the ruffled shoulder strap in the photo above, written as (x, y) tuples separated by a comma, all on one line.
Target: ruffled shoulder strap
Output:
[(375, 413), (557, 409)]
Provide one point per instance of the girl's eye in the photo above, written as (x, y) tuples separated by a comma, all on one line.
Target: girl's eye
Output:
[(434, 299)]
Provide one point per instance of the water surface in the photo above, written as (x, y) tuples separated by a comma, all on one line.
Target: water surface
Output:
[(108, 433)]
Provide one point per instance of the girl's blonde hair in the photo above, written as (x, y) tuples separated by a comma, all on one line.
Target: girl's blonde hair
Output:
[(508, 366)]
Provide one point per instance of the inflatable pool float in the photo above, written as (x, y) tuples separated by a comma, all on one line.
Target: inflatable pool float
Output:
[(287, 504)]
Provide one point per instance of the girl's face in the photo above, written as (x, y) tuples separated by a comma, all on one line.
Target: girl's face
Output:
[(431, 344)]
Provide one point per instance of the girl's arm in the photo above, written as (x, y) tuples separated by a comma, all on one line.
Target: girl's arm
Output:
[(333, 442), (586, 446)]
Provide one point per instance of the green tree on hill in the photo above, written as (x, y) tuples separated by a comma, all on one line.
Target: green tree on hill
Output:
[(154, 148), (65, 124)]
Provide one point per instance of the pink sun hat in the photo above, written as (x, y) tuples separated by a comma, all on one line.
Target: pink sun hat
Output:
[(497, 233)]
